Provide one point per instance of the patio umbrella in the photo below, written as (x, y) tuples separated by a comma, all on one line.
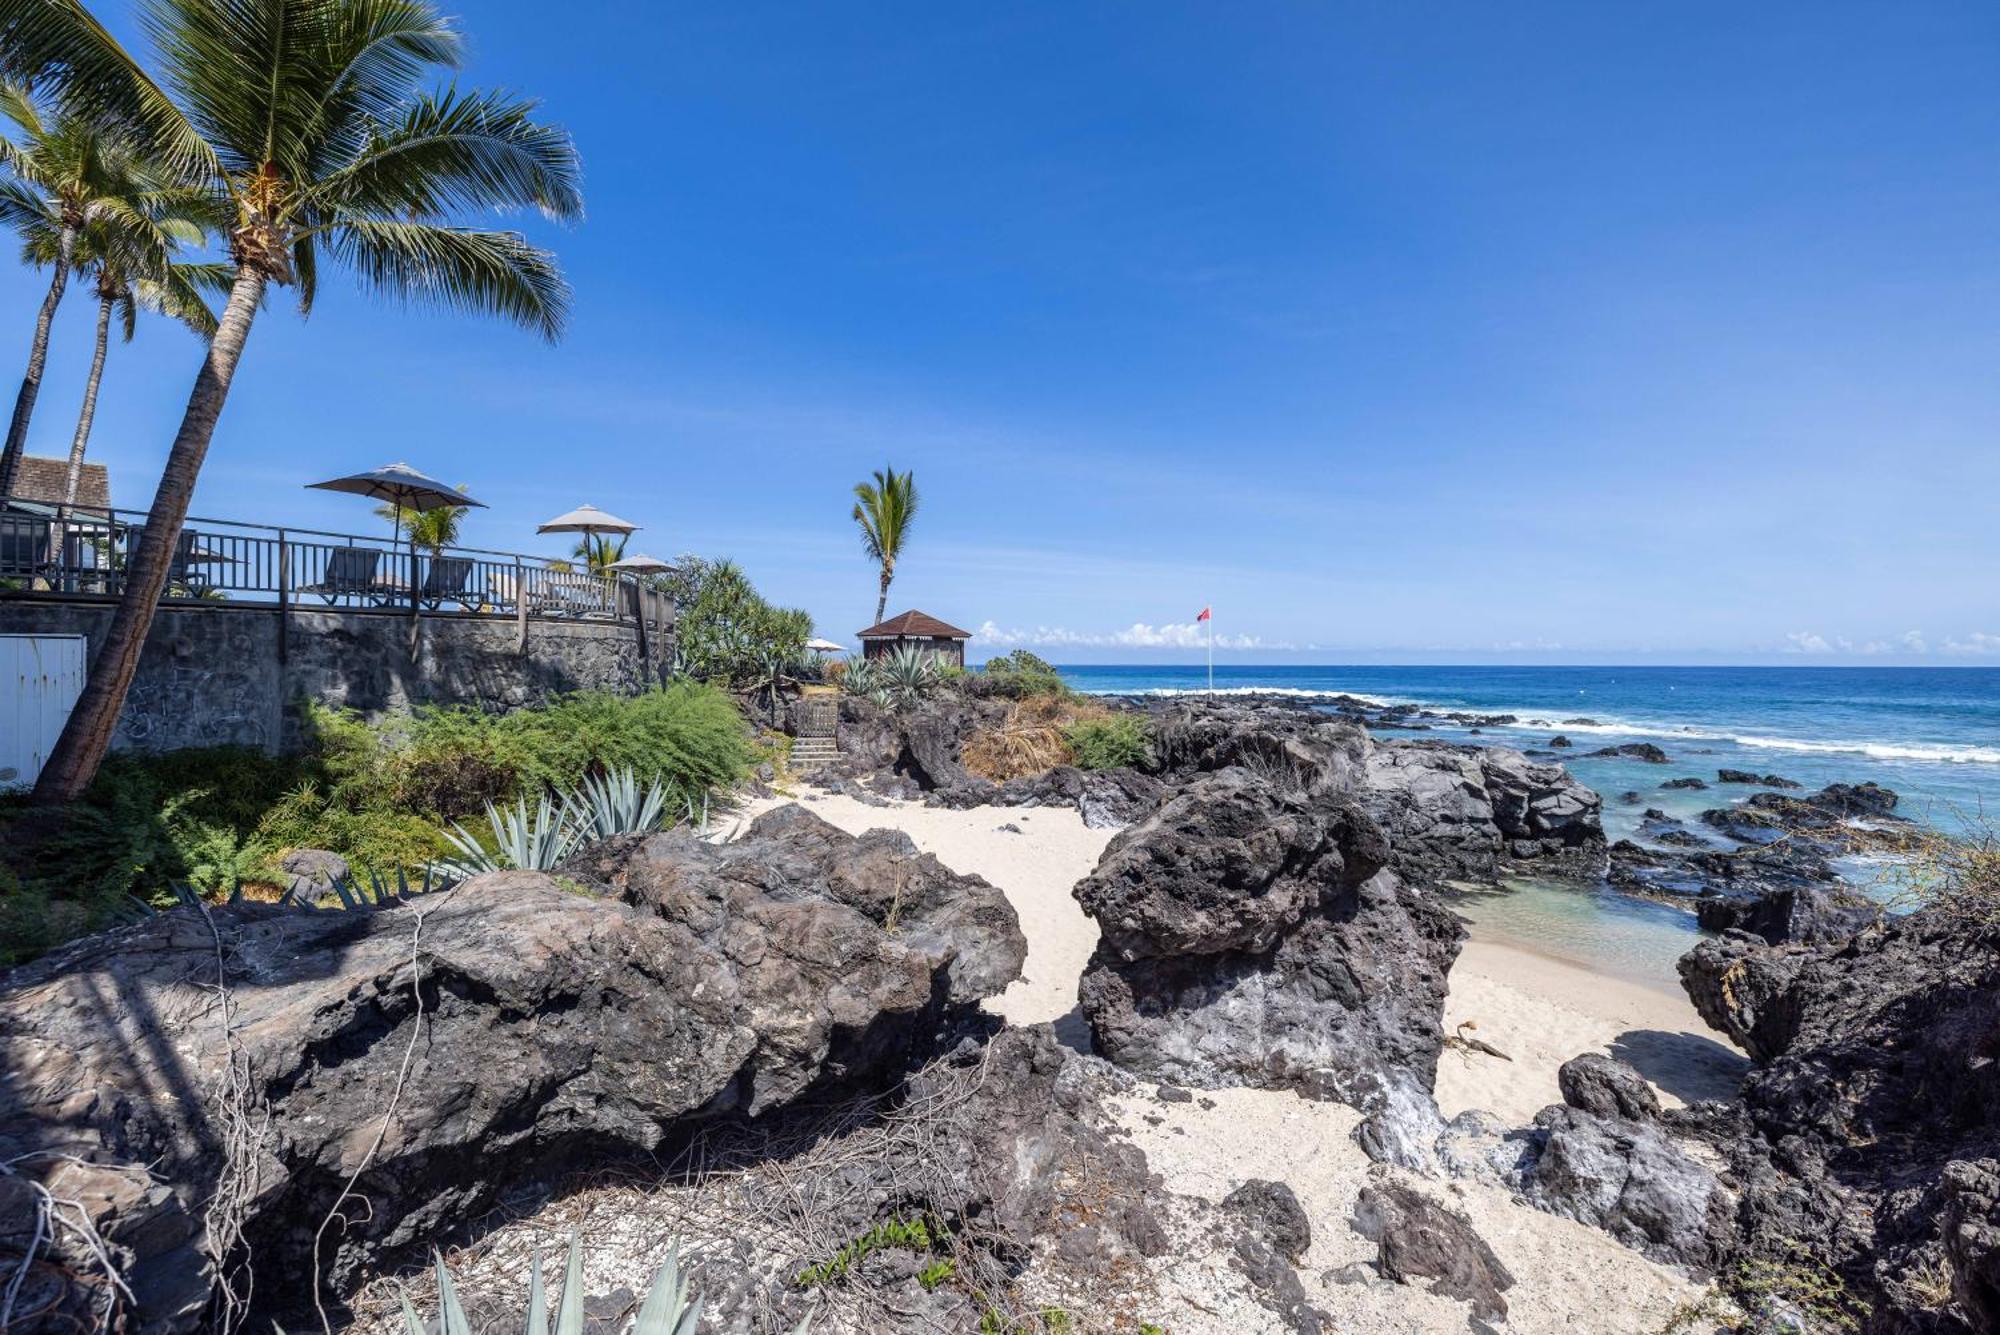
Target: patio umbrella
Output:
[(641, 565), (825, 647), (589, 521), (406, 489)]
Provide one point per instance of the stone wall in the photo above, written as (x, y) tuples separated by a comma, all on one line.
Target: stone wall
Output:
[(212, 674)]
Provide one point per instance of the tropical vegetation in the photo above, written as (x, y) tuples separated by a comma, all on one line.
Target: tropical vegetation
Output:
[(382, 795), (325, 130), (729, 633), (671, 1306), (84, 200), (1110, 741), (885, 507), (428, 530)]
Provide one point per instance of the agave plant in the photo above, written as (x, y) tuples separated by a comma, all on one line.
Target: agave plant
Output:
[(907, 673), (858, 678), (614, 803), (671, 1306), (522, 840), (376, 892)]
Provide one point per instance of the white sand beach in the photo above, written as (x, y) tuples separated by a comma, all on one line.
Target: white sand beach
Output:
[(1538, 1009)]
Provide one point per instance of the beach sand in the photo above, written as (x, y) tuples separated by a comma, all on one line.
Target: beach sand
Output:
[(1538, 1009)]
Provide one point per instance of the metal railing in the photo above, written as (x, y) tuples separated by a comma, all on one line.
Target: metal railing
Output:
[(82, 555)]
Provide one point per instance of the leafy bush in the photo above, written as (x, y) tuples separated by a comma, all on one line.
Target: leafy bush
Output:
[(726, 631), (377, 794), (1110, 741), (1018, 676)]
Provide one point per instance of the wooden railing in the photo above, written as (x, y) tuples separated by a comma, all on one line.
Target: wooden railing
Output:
[(82, 555)]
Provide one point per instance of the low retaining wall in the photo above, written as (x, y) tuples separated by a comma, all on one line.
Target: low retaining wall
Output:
[(216, 674)]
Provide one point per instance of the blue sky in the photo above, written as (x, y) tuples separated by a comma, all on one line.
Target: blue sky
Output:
[(1397, 332)]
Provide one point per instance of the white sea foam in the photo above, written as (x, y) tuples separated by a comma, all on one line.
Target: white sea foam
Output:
[(1289, 692), (1933, 752), (1939, 752)]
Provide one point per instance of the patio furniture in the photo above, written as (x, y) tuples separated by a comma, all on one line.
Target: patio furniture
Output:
[(350, 573), (569, 593), (405, 489), (444, 582), (24, 547)]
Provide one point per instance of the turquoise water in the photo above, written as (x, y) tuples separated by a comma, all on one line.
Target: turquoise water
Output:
[(1933, 735)]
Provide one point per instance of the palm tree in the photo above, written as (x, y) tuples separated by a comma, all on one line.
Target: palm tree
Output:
[(130, 256), (598, 555), (432, 530), (312, 120), (884, 509), (69, 170)]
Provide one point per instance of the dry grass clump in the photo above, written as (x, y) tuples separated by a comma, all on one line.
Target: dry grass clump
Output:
[(1956, 876), (1031, 740)]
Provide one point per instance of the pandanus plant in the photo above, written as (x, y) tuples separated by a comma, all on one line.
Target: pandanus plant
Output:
[(317, 125)]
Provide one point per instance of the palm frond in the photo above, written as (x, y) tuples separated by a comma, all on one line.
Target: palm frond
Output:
[(305, 272), (454, 151), (178, 294), (17, 104), (496, 273), (383, 49), (23, 210), (60, 49)]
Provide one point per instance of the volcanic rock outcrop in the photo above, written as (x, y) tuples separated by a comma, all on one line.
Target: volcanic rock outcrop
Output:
[(253, 1067), (1873, 1113), (1252, 935), (1469, 813)]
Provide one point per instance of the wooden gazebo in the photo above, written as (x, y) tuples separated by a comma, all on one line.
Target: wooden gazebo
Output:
[(918, 628)]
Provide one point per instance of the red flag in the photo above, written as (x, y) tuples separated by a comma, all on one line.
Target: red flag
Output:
[(1204, 614)]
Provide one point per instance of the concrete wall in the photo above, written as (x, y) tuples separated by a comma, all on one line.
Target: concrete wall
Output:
[(212, 674)]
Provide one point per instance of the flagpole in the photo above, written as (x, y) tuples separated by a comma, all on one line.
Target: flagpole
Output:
[(1211, 651)]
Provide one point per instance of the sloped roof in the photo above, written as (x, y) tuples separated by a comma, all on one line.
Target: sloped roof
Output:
[(43, 480), (920, 625)]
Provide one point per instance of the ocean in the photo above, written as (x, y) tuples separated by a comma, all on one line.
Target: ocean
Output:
[(1931, 734)]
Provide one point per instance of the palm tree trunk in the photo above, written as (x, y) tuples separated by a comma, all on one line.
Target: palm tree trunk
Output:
[(38, 356), (81, 440), (87, 736), (882, 599)]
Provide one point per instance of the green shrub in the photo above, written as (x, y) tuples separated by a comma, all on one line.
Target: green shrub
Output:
[(727, 631), (1111, 741), (1019, 675), (378, 794)]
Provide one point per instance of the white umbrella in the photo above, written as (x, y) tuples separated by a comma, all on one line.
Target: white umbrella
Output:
[(589, 521), (825, 647), (642, 564)]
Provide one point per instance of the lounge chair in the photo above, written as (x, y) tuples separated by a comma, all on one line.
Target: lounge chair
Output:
[(444, 582), (350, 573)]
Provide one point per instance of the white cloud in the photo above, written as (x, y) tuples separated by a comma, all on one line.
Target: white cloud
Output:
[(1138, 635), (1976, 642), (1807, 642)]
